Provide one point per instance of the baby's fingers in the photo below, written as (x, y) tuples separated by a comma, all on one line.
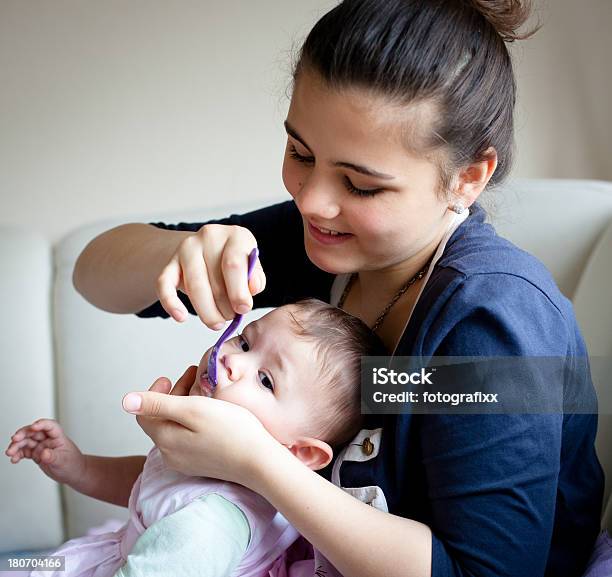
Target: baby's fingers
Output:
[(38, 435), (21, 450), (15, 447), (38, 430), (47, 426), (21, 433), (17, 457), (43, 453)]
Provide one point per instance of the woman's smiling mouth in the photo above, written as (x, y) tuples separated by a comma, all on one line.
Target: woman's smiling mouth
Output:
[(327, 236)]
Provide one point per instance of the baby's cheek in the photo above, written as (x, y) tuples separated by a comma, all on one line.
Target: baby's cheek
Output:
[(262, 404), (242, 396)]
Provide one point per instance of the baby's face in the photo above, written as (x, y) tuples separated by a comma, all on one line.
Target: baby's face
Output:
[(268, 370)]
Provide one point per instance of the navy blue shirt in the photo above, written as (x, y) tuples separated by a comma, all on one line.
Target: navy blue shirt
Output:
[(503, 494)]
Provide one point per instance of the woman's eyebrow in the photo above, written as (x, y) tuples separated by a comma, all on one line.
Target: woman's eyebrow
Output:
[(356, 167)]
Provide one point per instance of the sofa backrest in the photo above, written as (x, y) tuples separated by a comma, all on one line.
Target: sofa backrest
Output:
[(567, 224), (593, 306)]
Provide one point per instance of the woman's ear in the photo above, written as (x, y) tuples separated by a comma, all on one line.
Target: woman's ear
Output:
[(473, 178), (313, 453)]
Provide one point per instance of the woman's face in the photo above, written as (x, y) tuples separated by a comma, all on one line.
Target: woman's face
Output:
[(394, 215)]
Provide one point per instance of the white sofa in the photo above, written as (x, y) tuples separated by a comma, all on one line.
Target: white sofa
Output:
[(60, 357)]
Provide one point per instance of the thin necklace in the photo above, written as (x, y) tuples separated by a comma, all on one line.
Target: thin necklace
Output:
[(418, 276)]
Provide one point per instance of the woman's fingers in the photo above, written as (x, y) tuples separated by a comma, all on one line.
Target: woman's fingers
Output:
[(196, 278), (183, 385), (161, 431), (172, 407), (167, 284), (234, 266), (210, 266), (161, 385), (152, 418)]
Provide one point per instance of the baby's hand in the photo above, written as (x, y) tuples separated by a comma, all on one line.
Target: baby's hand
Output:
[(46, 444)]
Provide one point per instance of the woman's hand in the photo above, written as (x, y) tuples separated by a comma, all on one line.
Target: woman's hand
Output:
[(200, 436), (129, 267), (46, 444), (210, 267)]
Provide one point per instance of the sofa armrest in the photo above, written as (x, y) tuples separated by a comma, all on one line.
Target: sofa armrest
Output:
[(26, 389)]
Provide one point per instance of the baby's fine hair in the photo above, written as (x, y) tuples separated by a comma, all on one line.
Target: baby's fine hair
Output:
[(340, 341)]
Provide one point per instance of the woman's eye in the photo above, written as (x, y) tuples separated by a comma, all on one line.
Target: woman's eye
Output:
[(265, 381), (242, 342), (293, 153), (360, 191), (347, 182)]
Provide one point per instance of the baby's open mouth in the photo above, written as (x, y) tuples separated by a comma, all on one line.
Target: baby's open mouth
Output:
[(205, 385)]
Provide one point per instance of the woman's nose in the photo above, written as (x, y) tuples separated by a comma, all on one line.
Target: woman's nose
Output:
[(318, 199)]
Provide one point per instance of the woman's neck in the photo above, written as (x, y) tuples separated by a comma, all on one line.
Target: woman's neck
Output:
[(373, 290), (379, 286)]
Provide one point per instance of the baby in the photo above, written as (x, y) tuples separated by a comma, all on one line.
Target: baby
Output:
[(297, 369)]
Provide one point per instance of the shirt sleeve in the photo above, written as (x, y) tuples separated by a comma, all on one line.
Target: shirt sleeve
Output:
[(207, 538), (290, 275), (492, 478)]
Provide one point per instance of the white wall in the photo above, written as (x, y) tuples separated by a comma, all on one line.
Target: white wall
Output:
[(112, 107), (564, 74)]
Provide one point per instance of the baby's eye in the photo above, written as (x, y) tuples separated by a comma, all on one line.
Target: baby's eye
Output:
[(242, 343), (265, 380)]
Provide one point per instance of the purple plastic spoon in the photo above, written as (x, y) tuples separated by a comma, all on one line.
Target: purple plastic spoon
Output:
[(227, 333)]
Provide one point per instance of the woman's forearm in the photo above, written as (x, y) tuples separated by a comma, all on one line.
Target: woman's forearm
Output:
[(109, 479), (117, 271), (358, 539)]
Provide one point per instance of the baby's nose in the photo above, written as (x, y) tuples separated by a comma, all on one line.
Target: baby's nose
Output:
[(231, 366)]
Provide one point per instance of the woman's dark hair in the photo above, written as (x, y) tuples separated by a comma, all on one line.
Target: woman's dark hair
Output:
[(448, 55)]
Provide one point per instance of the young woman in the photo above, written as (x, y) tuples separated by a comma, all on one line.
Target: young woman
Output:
[(401, 115)]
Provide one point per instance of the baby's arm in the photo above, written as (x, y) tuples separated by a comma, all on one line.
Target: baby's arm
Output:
[(206, 538), (109, 479)]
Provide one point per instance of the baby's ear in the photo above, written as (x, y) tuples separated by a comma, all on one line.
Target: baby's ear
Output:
[(313, 453)]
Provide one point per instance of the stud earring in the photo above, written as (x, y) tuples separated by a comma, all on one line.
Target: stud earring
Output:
[(457, 207)]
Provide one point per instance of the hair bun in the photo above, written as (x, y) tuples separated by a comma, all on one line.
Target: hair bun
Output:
[(506, 16)]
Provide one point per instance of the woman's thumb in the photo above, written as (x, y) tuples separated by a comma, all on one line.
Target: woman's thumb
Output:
[(257, 282), (132, 402), (151, 404)]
